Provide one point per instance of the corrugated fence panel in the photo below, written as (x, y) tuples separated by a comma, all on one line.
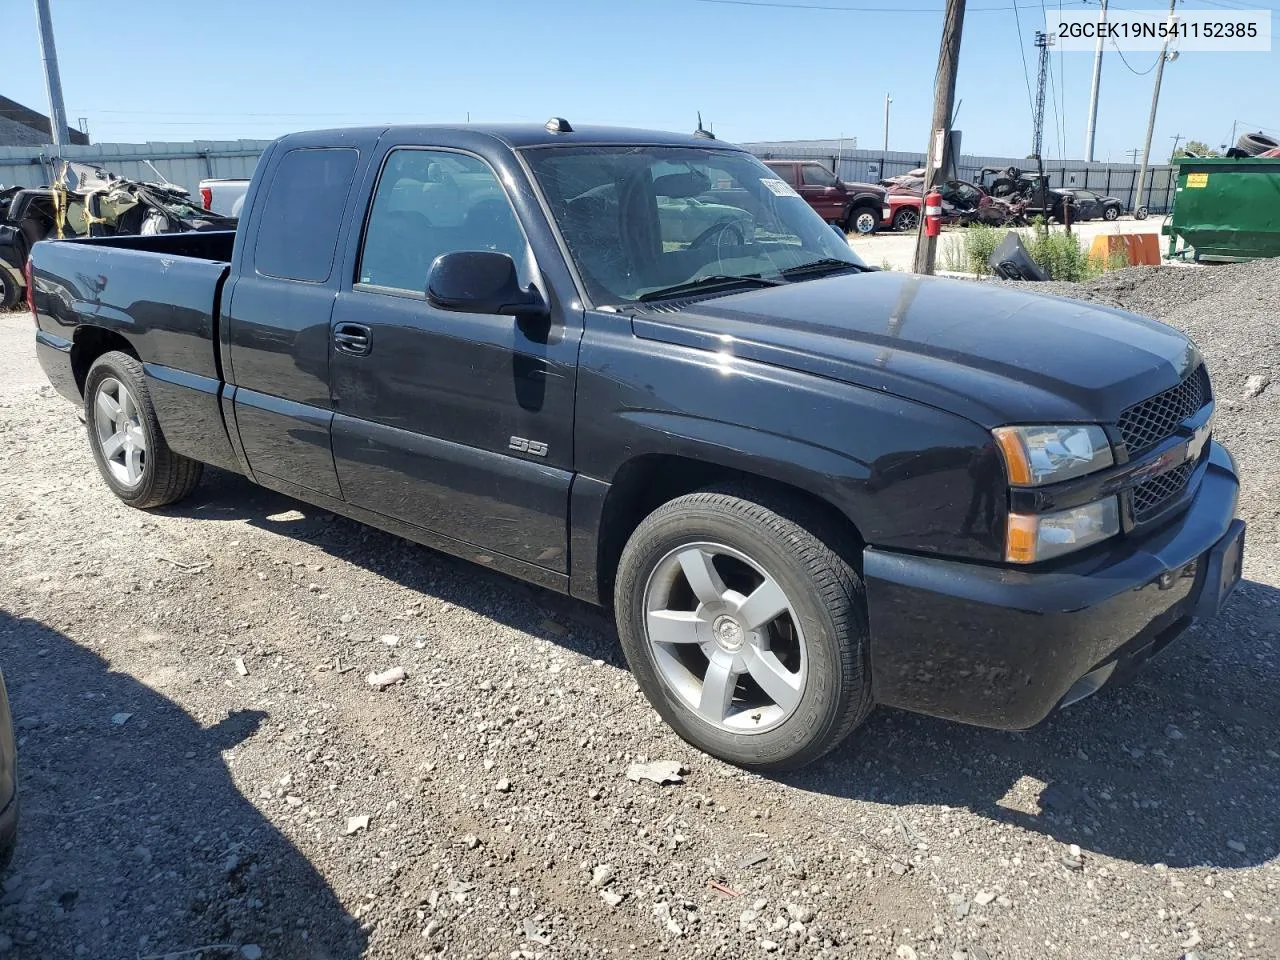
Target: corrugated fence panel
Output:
[(185, 164)]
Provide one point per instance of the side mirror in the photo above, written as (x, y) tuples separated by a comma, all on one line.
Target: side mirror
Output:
[(480, 281), (839, 231)]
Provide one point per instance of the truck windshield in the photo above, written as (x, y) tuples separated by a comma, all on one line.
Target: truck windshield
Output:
[(643, 220)]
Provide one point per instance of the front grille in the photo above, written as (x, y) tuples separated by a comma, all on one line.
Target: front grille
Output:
[(1147, 423), (1150, 496)]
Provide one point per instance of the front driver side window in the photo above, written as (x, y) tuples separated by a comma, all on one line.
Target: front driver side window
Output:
[(430, 202), (816, 175)]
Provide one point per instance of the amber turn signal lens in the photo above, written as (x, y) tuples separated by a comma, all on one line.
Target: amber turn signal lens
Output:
[(1020, 544), (1015, 455)]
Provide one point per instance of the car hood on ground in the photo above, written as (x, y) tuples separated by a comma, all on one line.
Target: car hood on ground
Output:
[(988, 352)]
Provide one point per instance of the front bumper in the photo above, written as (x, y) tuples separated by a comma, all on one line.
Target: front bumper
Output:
[(1003, 647)]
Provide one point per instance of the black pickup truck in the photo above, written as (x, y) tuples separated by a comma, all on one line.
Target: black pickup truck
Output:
[(638, 369)]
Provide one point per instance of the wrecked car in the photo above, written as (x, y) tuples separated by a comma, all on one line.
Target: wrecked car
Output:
[(89, 201), (963, 203)]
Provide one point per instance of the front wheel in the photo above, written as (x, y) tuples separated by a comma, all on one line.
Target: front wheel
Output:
[(1110, 213), (906, 219), (862, 220), (746, 631), (125, 436)]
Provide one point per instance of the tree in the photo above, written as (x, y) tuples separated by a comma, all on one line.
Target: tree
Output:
[(1196, 148)]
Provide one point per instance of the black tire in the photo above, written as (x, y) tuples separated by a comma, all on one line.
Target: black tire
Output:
[(823, 589), (862, 220), (1004, 187), (1254, 144), (10, 292), (1140, 213), (8, 845), (167, 477), (1110, 213), (906, 219)]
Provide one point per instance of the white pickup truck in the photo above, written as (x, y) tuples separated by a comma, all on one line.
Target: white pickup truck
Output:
[(224, 197)]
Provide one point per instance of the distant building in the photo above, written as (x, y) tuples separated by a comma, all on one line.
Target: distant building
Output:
[(22, 127)]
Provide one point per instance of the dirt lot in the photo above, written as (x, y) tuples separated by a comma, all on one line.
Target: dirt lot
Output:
[(197, 735)]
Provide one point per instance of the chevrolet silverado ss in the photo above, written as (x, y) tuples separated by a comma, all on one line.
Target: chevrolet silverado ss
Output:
[(637, 368)]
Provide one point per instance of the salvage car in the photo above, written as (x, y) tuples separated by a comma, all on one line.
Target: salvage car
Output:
[(89, 201), (1086, 205), (8, 780), (804, 487), (963, 203), (224, 196)]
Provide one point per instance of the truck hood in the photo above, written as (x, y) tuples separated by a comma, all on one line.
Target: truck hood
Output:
[(993, 354), (857, 186)]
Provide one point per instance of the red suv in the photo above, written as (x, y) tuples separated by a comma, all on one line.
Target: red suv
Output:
[(858, 207)]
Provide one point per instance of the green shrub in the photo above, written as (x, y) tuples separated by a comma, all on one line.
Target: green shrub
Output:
[(968, 252), (1061, 255)]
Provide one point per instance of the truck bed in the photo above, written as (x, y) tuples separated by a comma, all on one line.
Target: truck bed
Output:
[(160, 293)]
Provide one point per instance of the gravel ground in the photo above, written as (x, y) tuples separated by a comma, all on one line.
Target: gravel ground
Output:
[(200, 747)]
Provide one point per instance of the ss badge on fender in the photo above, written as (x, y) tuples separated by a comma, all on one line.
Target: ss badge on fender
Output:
[(535, 448)]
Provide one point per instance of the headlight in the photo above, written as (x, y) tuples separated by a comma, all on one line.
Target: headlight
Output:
[(1033, 537), (1039, 455)]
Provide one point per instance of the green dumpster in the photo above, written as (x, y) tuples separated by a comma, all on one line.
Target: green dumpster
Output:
[(1225, 209)]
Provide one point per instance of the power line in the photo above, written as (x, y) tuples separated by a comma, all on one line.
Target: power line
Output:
[(1057, 123), (1026, 76), (845, 9), (1136, 73)]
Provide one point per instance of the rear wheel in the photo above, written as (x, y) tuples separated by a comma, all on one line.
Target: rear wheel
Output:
[(125, 436), (745, 630), (9, 290), (906, 219), (862, 220), (1140, 213)]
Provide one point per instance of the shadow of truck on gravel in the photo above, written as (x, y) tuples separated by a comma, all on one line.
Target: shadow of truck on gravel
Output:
[(133, 840), (1179, 766), (1167, 768)]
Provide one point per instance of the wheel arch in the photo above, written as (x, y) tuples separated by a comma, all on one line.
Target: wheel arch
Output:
[(645, 482), (89, 343)]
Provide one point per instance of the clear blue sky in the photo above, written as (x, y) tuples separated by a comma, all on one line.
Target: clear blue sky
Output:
[(141, 70)]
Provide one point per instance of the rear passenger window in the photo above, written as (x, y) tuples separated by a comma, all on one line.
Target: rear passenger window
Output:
[(298, 229), (430, 202)]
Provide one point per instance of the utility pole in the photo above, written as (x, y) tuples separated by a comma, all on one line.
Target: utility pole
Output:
[(1133, 154), (1151, 120), (1177, 138), (1093, 94), (944, 95), (887, 100), (52, 81), (1043, 42)]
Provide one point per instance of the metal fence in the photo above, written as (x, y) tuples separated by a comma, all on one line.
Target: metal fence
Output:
[(1109, 179), (185, 164)]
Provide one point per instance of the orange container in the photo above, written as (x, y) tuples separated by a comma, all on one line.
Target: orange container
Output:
[(1135, 249)]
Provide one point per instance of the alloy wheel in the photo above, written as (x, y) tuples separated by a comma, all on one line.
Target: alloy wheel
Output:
[(725, 638), (121, 437)]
